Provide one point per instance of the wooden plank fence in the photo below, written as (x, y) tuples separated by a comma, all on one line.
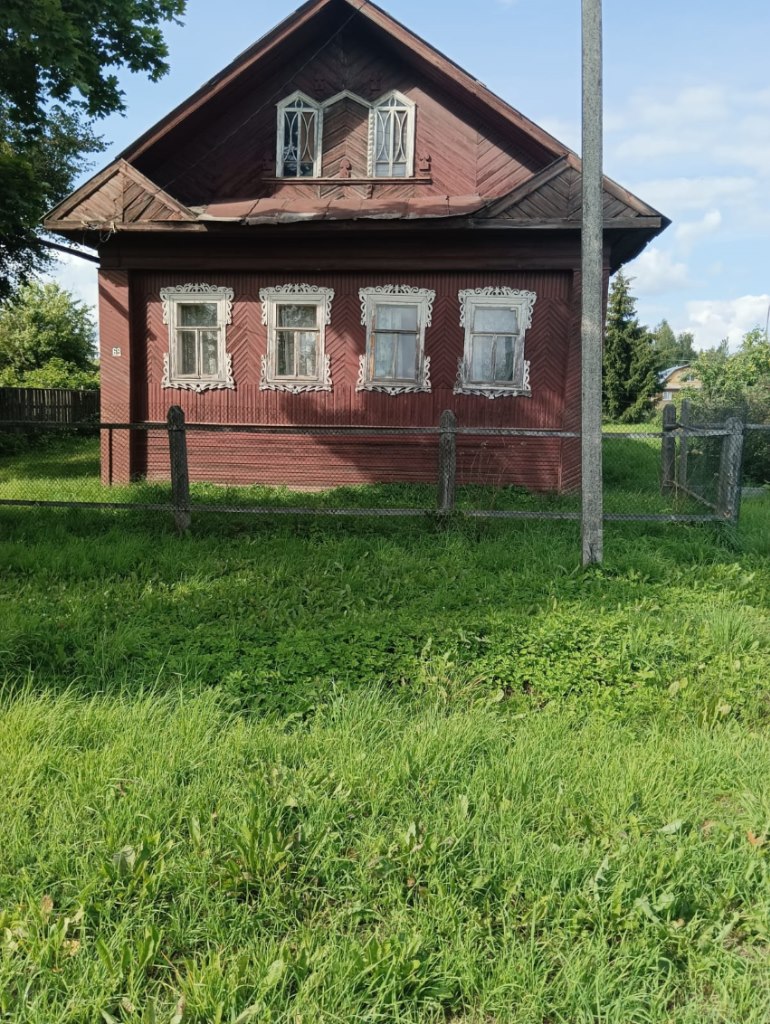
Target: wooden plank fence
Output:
[(49, 405)]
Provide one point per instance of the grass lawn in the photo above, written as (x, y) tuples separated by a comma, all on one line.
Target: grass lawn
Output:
[(374, 770)]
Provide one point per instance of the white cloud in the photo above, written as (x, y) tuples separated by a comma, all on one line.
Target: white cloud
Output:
[(691, 231), (565, 131), (656, 271), (77, 276), (674, 195), (711, 320)]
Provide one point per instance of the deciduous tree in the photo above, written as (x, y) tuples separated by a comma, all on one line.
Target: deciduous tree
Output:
[(57, 73)]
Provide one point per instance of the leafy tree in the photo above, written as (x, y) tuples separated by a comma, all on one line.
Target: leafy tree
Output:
[(672, 349), (45, 327), (630, 369), (57, 63), (36, 171), (738, 384)]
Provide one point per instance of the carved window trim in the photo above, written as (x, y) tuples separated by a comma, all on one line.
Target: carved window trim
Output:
[(306, 295), (402, 105), (299, 99), (495, 297), (172, 299), (396, 295)]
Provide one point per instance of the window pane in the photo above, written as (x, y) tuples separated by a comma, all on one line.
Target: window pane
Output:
[(385, 346), (198, 314), (307, 144), (188, 361), (494, 319), (285, 354), (297, 316), (307, 354), (504, 351), (406, 368), (481, 358), (290, 143), (209, 353), (396, 318)]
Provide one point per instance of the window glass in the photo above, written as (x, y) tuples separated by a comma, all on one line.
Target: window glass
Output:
[(495, 319), (209, 353), (299, 141), (198, 314), (188, 353), (392, 126), (297, 316)]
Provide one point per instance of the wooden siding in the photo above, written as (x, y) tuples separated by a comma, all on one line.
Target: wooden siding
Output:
[(228, 150), (535, 464)]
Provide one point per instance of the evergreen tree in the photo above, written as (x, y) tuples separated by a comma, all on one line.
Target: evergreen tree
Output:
[(630, 364), (672, 349)]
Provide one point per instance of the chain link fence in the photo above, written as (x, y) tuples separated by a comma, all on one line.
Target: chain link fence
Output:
[(682, 472)]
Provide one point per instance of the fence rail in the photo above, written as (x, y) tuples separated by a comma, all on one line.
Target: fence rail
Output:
[(683, 473), (47, 406)]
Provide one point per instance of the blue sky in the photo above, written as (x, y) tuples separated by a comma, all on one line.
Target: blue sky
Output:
[(687, 123)]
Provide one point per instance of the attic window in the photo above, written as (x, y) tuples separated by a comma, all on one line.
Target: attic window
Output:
[(299, 138), (495, 321), (395, 317), (197, 316), (391, 137)]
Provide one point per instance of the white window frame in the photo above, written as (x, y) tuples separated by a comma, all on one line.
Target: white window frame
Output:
[(410, 109), (472, 299), (282, 107), (303, 295), (172, 299), (395, 295)]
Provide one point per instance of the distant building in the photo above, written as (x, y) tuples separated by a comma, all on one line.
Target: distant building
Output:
[(674, 380)]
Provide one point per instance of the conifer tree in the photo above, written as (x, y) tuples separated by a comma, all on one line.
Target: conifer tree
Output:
[(630, 366)]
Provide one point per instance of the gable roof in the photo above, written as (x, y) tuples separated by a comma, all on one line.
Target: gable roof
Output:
[(121, 198), (432, 62)]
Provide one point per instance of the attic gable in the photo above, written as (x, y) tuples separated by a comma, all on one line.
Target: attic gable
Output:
[(120, 195), (317, 25)]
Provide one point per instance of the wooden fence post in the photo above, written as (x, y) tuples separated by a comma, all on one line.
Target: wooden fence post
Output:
[(684, 422), (668, 449), (447, 461), (730, 471), (180, 477)]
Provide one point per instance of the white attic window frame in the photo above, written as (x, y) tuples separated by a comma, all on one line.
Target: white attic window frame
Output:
[(397, 103), (302, 101)]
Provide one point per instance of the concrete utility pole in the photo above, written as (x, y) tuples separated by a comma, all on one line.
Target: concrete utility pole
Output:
[(593, 286)]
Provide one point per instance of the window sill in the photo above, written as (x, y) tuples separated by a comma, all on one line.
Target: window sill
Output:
[(492, 392), (416, 180), (294, 386)]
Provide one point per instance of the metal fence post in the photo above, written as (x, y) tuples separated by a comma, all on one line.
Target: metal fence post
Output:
[(684, 422), (668, 449), (447, 461), (180, 477), (730, 467)]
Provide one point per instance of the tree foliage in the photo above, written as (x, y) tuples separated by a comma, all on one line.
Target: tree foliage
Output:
[(57, 73), (47, 339), (630, 378), (672, 349), (738, 384)]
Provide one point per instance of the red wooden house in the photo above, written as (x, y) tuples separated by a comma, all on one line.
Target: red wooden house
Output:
[(344, 227)]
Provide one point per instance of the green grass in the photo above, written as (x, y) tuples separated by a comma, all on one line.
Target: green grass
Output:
[(374, 770), (67, 469)]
